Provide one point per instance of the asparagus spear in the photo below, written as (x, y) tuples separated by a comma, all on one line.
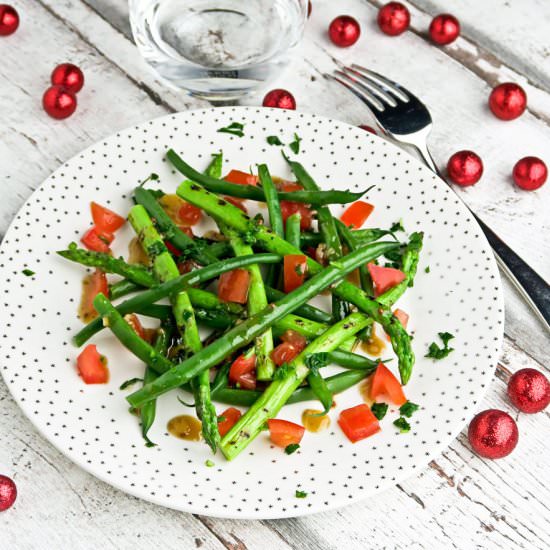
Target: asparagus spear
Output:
[(278, 392), (256, 193), (245, 332), (257, 301), (237, 219), (154, 294), (165, 269)]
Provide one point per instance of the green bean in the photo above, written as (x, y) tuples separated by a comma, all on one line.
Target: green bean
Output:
[(292, 234), (257, 193)]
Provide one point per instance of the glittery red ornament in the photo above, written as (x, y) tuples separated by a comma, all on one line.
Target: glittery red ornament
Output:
[(530, 173), (58, 102), (465, 168), (444, 29), (529, 390), (9, 20), (493, 434), (394, 18), (368, 129), (8, 493), (282, 99), (69, 76), (508, 101), (344, 31)]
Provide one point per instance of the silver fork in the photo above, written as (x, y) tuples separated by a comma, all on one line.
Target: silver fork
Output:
[(405, 119)]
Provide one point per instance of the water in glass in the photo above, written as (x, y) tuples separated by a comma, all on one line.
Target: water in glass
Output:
[(217, 49)]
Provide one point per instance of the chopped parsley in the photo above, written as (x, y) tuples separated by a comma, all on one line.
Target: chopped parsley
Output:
[(300, 494), (299, 270), (397, 226), (221, 419), (316, 361), (427, 269), (28, 272), (402, 424), (292, 448), (274, 140), (408, 409), (129, 383), (435, 352), (379, 410), (235, 128), (283, 371), (295, 145), (209, 463)]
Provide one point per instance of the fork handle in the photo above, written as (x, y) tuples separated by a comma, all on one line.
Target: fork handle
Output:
[(531, 286)]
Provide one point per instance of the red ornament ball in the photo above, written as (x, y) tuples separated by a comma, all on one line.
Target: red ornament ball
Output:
[(58, 102), (444, 29), (344, 31), (367, 129), (9, 20), (69, 76), (508, 101), (493, 434), (530, 173), (465, 168), (8, 493), (394, 18), (279, 98), (529, 390)]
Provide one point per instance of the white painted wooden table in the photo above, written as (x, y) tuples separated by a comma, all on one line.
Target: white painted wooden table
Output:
[(460, 500)]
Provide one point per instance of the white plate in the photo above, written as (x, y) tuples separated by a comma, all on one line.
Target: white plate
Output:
[(90, 424)]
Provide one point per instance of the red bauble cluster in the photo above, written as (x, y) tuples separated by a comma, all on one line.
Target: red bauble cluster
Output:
[(279, 98), (493, 434), (465, 168), (59, 100), (508, 101), (444, 29), (344, 31), (9, 20), (529, 390), (530, 173), (8, 493), (394, 18)]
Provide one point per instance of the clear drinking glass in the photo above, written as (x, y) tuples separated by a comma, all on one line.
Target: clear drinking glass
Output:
[(217, 49)]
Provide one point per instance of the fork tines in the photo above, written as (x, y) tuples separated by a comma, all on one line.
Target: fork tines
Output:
[(371, 87)]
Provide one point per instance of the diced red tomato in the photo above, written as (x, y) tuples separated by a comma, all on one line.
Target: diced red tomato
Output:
[(358, 422), (284, 433), (237, 202), (384, 383), (242, 372), (306, 215), (187, 266), (133, 320), (284, 353), (93, 284), (289, 186), (233, 286), (356, 214), (229, 419), (295, 339), (92, 366), (97, 240), (402, 316), (384, 278), (295, 267), (241, 178), (188, 231), (106, 220), (189, 214)]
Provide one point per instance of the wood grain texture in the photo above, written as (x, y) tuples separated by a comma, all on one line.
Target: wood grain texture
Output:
[(460, 500)]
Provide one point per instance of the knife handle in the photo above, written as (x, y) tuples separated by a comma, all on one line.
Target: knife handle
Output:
[(534, 289)]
